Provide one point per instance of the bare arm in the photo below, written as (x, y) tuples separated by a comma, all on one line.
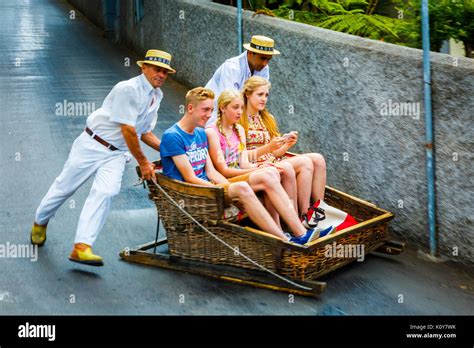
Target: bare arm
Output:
[(244, 162), (273, 145), (287, 145), (187, 171), (151, 140), (267, 148), (282, 150), (213, 174), (146, 167), (218, 158)]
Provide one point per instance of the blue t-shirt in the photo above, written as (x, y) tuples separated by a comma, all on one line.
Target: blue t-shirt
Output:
[(175, 142)]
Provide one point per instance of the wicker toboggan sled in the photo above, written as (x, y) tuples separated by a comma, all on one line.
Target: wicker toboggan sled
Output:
[(192, 249)]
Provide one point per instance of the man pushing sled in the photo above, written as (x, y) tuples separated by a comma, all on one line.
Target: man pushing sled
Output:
[(129, 113)]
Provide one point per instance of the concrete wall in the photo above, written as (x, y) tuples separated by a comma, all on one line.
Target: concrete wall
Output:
[(334, 88), (93, 10)]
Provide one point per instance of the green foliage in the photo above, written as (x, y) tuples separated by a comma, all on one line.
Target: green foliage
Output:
[(448, 19), (370, 26), (297, 15), (458, 17), (347, 16)]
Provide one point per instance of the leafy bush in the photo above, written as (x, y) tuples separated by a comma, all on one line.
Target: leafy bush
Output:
[(348, 16), (448, 19)]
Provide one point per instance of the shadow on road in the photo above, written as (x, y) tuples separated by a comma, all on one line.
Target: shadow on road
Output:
[(88, 274)]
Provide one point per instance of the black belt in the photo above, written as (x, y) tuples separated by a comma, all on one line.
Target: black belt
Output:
[(100, 140)]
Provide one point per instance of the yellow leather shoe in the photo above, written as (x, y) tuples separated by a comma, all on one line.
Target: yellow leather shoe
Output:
[(38, 235), (82, 253)]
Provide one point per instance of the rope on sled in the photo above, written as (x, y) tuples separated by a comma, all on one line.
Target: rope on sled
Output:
[(226, 244)]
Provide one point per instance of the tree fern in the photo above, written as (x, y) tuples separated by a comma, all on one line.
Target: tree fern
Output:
[(371, 26), (347, 4), (348, 16)]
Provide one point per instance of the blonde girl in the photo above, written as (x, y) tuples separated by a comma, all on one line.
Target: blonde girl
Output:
[(261, 130), (227, 150)]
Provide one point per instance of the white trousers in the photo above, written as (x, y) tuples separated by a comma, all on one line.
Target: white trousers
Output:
[(87, 157)]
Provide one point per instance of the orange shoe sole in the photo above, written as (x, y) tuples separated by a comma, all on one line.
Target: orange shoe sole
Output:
[(87, 262)]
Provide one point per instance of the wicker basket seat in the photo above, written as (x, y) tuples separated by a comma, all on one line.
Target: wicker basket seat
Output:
[(300, 262)]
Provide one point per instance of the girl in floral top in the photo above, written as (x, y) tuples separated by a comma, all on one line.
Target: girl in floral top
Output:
[(228, 152), (261, 130)]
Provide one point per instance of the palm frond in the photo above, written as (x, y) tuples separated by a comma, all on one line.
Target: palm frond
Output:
[(372, 26), (347, 4)]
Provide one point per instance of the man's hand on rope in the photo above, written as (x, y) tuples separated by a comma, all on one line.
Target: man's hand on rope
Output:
[(147, 169)]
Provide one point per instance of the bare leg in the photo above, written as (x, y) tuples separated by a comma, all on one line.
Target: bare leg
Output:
[(303, 167), (268, 180), (288, 181), (271, 209), (319, 175), (257, 212)]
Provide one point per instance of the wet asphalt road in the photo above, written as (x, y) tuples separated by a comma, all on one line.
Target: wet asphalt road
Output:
[(47, 59)]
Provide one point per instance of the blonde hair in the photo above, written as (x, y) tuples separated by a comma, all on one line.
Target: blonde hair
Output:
[(225, 98), (268, 120), (198, 94)]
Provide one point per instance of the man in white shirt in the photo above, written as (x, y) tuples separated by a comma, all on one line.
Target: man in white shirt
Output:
[(235, 71), (127, 115)]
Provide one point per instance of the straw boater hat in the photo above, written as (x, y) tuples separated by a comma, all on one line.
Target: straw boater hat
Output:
[(158, 58), (262, 44)]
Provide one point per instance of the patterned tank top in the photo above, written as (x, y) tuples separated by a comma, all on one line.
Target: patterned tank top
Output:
[(257, 136), (231, 149)]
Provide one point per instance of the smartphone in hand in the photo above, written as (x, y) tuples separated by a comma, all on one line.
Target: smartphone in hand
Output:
[(287, 136)]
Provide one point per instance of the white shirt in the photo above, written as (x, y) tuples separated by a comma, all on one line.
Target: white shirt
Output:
[(231, 75), (132, 102)]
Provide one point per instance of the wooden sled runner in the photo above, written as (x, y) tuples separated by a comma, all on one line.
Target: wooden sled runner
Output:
[(217, 253)]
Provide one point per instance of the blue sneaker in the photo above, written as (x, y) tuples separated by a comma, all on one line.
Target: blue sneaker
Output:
[(327, 231), (305, 238)]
